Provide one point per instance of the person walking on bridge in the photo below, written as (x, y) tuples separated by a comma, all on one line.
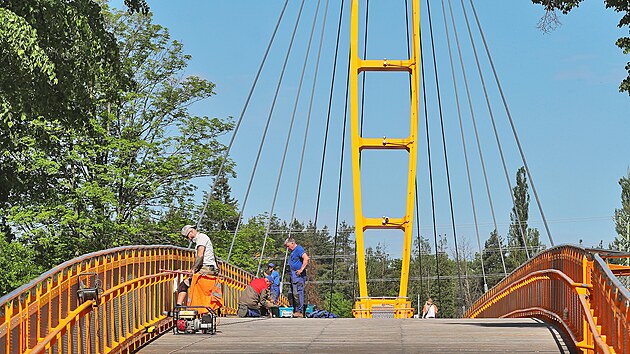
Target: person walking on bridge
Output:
[(205, 261), (298, 260), (429, 310)]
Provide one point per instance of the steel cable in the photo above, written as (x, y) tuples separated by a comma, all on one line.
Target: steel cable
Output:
[(461, 129), (415, 178), (426, 123), (262, 142), (343, 134), (507, 110), (496, 133), (240, 118), (448, 175), (286, 145)]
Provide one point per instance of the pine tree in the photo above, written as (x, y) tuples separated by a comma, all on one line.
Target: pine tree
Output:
[(524, 242), (622, 217)]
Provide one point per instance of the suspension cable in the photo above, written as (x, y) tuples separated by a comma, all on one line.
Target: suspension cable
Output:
[(426, 123), (365, 45), (448, 175), (321, 174), (416, 178), (507, 110), (496, 133), (240, 118), (308, 120), (262, 142), (478, 141), (461, 129), (286, 145)]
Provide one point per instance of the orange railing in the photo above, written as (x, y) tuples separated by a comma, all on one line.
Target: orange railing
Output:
[(46, 315), (611, 303), (570, 287)]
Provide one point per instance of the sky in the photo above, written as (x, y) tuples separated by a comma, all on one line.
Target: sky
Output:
[(561, 89)]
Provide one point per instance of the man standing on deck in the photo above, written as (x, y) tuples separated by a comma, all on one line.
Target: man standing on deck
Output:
[(298, 260), (205, 262)]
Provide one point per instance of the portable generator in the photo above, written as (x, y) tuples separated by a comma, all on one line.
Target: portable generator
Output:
[(193, 319)]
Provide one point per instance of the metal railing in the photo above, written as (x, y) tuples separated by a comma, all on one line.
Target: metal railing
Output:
[(570, 287), (47, 315)]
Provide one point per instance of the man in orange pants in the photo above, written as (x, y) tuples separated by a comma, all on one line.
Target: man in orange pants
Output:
[(205, 262)]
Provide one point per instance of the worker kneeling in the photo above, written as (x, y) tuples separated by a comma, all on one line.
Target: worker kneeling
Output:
[(256, 298)]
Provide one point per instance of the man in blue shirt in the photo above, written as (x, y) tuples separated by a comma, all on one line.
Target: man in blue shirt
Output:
[(298, 260)]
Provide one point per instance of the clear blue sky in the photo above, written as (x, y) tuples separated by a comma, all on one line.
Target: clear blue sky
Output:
[(562, 90)]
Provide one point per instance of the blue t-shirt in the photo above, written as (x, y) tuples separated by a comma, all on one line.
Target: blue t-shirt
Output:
[(276, 278), (295, 259)]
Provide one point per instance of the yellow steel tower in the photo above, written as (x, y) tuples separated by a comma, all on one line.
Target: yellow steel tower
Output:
[(365, 306)]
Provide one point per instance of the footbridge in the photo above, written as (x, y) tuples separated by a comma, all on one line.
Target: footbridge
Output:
[(564, 299), (561, 299)]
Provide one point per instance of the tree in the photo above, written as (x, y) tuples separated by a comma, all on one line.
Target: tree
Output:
[(17, 263), (54, 56), (550, 21), (523, 241), (128, 170), (622, 217), (494, 261)]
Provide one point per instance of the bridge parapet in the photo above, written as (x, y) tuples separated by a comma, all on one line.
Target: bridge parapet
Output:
[(47, 314), (570, 287)]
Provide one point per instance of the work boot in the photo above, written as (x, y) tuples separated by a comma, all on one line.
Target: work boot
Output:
[(298, 315)]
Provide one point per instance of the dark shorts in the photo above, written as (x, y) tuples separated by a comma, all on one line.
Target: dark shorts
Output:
[(183, 286)]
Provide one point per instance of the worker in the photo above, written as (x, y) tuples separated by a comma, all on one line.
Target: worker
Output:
[(275, 285), (205, 261), (429, 310), (255, 300), (298, 260)]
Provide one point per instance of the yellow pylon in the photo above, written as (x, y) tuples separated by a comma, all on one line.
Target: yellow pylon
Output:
[(365, 306)]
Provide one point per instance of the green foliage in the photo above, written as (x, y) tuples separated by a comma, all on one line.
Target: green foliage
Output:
[(494, 261), (53, 55), (566, 6), (101, 150), (17, 263), (521, 238), (622, 217), (341, 304)]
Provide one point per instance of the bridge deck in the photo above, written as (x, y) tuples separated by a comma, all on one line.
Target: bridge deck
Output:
[(368, 335)]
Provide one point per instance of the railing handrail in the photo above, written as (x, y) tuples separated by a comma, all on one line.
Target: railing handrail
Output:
[(33, 283), (28, 286), (599, 261)]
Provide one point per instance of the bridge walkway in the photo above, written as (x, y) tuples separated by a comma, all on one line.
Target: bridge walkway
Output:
[(293, 335)]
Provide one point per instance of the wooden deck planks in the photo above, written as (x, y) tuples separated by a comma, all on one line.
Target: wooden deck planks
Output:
[(293, 335)]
